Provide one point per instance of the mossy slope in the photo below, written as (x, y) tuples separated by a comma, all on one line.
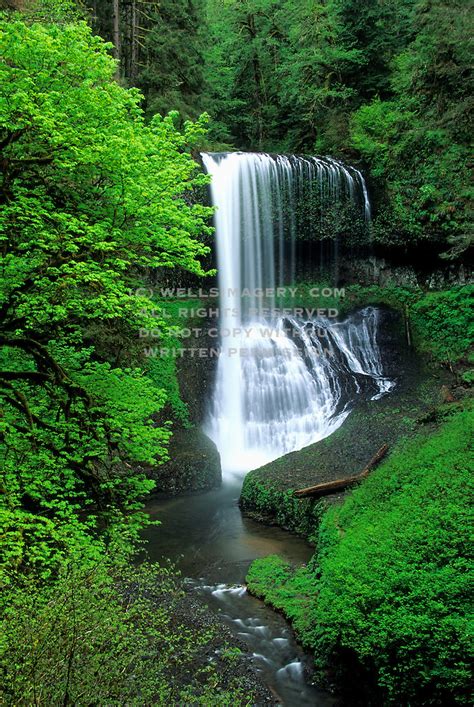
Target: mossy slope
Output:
[(267, 492), (385, 602)]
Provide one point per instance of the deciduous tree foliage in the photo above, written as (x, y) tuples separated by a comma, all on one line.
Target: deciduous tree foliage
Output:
[(417, 141), (91, 195)]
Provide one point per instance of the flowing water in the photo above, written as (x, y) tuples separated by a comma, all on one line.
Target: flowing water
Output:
[(213, 545), (282, 382)]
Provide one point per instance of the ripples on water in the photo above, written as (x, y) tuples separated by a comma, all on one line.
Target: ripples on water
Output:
[(213, 545)]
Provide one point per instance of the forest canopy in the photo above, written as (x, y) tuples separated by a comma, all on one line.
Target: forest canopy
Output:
[(383, 84)]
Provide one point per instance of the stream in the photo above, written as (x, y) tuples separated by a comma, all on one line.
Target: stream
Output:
[(212, 544)]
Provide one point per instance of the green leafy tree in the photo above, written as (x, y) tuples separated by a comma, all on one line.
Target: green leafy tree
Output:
[(384, 84), (315, 96), (417, 144), (378, 30), (91, 197)]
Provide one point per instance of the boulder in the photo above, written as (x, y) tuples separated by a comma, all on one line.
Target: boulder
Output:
[(194, 464)]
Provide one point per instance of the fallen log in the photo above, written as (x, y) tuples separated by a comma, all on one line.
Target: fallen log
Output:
[(340, 484)]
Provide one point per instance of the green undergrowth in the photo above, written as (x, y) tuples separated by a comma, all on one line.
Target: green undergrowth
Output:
[(441, 322), (112, 634), (385, 598), (383, 603)]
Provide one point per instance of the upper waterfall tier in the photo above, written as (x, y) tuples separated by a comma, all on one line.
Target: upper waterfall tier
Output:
[(266, 204)]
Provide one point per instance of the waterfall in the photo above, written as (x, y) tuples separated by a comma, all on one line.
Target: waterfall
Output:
[(283, 381)]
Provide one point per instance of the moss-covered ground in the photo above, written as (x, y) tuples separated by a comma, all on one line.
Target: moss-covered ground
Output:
[(384, 604)]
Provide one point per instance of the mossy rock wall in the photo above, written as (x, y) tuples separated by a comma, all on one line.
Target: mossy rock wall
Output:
[(196, 374)]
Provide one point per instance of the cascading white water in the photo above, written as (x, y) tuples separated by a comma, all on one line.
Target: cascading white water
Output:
[(282, 383)]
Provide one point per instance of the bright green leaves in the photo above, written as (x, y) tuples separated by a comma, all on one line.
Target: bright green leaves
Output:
[(82, 138), (94, 199), (387, 594), (394, 582), (373, 128), (128, 398), (114, 634)]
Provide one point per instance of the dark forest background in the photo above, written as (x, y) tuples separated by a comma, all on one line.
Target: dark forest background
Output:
[(386, 85)]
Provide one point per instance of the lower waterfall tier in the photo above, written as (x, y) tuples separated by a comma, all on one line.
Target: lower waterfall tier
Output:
[(287, 384)]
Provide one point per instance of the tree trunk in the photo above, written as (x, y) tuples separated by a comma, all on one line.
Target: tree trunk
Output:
[(340, 484), (116, 32), (134, 45)]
